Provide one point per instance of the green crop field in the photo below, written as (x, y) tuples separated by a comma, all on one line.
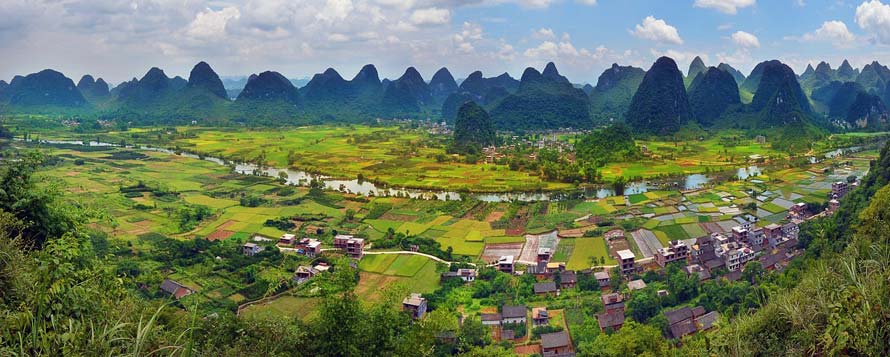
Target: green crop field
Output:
[(347, 151), (587, 252), (299, 307)]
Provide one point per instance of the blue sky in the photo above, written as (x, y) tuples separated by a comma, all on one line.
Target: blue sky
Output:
[(120, 39)]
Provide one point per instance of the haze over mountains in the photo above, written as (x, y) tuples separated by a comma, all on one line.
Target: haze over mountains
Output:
[(658, 101)]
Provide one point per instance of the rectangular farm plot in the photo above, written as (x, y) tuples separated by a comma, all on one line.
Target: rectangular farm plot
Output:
[(675, 232), (412, 228), (772, 207), (535, 242), (215, 203), (588, 252), (694, 230), (504, 239), (647, 241), (460, 246), (496, 250), (382, 225), (406, 265), (376, 263)]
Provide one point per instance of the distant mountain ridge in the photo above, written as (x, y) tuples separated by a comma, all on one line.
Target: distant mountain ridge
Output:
[(538, 100)]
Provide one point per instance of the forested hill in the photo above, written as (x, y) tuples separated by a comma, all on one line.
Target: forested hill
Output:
[(545, 100), (614, 90), (660, 106)]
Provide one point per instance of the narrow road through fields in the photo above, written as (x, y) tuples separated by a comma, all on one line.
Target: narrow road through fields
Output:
[(440, 260)]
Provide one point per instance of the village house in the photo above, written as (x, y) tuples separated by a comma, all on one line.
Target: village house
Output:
[(547, 288), (839, 190), (287, 239), (491, 319), (638, 284), (352, 246), (176, 289), (675, 251), (756, 236), (544, 254), (626, 259), (798, 211), (612, 319), (702, 273), (701, 248), (540, 317), (833, 206), (772, 232), (416, 305), (739, 233), (772, 260), (538, 270), (568, 279), (735, 255), (686, 321), (323, 267), (309, 247), (506, 264), (613, 301), (467, 275), (602, 277), (304, 273), (556, 344), (555, 267), (791, 230), (251, 249), (511, 314)]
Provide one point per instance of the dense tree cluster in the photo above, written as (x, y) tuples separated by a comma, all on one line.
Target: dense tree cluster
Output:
[(611, 144)]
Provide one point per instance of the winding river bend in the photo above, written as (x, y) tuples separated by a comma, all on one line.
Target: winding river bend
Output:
[(369, 189)]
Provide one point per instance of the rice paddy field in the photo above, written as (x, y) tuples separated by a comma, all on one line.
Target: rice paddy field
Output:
[(398, 157), (97, 183)]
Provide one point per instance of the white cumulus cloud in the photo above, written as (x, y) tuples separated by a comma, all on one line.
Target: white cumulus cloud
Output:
[(835, 32), (431, 16), (745, 40), (211, 24), (544, 33), (730, 7), (657, 30), (874, 17)]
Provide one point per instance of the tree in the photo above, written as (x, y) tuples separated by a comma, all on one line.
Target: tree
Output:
[(683, 286), (38, 207), (753, 272), (472, 334), (644, 304), (633, 339)]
